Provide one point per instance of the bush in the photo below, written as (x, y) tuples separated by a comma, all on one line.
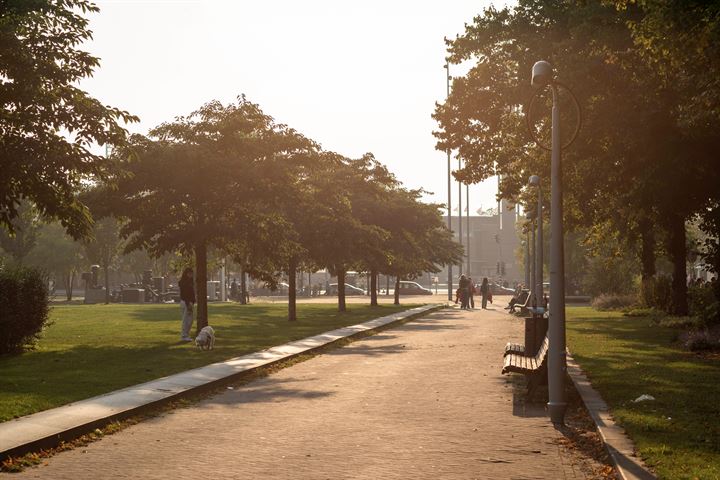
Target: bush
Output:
[(24, 308), (703, 304), (657, 293), (703, 339), (614, 302)]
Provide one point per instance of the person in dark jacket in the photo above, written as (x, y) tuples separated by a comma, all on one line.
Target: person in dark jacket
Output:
[(485, 292), (187, 300)]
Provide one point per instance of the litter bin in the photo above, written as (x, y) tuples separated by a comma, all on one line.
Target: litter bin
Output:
[(535, 329)]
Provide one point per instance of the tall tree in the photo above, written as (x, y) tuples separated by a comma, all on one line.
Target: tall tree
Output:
[(48, 124), (22, 238), (608, 174), (104, 247), (209, 180)]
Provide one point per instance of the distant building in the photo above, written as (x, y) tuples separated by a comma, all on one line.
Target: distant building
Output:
[(493, 246)]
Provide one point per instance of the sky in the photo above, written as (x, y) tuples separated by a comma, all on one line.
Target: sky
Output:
[(356, 77)]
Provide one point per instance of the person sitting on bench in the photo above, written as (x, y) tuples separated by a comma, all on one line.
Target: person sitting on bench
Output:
[(515, 297)]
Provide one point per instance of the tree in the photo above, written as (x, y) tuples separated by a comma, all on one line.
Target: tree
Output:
[(59, 255), (340, 240), (419, 240), (22, 238), (104, 248), (209, 180), (608, 174), (48, 123)]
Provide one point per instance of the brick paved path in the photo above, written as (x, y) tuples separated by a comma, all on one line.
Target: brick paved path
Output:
[(424, 400)]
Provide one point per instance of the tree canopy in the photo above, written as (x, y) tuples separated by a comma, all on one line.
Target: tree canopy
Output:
[(49, 125)]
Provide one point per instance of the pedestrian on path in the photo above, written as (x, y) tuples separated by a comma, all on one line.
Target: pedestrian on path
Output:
[(464, 285), (485, 292), (187, 300)]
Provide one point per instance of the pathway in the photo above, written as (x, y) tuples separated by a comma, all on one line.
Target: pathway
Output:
[(424, 400)]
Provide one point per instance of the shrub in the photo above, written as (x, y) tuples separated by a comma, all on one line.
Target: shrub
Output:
[(657, 293), (703, 339), (614, 302), (24, 308), (703, 304)]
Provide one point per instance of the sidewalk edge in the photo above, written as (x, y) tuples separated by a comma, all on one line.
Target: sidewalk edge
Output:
[(260, 360)]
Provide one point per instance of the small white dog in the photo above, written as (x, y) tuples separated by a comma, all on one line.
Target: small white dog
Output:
[(206, 338)]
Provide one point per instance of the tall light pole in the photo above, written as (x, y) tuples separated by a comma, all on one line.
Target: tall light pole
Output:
[(533, 253), (467, 216), (460, 236), (542, 77), (538, 287), (527, 256), (449, 185)]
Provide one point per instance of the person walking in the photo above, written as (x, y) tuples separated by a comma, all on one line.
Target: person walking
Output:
[(485, 292), (187, 300), (463, 286)]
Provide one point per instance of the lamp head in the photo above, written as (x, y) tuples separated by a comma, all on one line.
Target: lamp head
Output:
[(542, 74), (534, 181)]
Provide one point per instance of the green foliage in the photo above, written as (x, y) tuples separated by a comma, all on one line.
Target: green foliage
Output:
[(676, 435), (138, 343), (698, 340), (48, 123), (25, 308), (23, 236), (704, 304), (658, 293), (604, 302)]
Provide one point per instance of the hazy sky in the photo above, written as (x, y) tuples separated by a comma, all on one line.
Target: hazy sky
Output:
[(355, 76)]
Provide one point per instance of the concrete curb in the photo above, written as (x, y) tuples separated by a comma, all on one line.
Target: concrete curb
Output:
[(618, 444), (49, 428)]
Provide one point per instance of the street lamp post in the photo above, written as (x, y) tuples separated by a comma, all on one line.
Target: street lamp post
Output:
[(467, 233), (460, 229), (543, 76), (449, 185), (538, 287), (527, 256), (533, 254)]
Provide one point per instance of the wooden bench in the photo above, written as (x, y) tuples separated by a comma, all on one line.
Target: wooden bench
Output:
[(533, 367), (533, 333)]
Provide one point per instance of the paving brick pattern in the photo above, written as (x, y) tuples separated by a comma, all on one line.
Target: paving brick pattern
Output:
[(424, 400)]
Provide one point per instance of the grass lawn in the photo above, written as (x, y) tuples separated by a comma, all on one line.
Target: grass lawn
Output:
[(95, 349), (678, 434)]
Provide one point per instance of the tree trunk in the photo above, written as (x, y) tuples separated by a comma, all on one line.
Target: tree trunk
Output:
[(201, 286), (243, 287), (678, 254), (106, 274), (292, 292), (69, 280), (647, 260), (373, 288), (341, 290), (397, 290)]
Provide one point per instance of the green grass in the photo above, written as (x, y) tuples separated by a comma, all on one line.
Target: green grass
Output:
[(94, 349), (678, 434)]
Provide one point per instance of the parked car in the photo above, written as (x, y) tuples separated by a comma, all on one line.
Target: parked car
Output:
[(349, 290), (282, 289), (413, 288), (498, 289)]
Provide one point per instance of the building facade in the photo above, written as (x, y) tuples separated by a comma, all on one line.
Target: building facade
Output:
[(492, 249)]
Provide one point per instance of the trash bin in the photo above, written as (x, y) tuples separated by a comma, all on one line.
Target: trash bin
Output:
[(535, 329)]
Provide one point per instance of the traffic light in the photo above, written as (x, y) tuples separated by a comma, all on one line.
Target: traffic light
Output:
[(497, 270), (502, 268)]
